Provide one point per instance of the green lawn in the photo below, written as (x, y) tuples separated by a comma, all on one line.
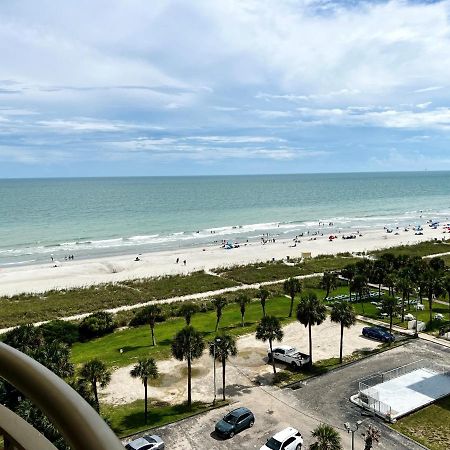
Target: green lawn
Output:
[(135, 342), (429, 426), (129, 419), (29, 308)]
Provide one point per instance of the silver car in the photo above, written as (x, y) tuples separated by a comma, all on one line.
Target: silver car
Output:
[(148, 442)]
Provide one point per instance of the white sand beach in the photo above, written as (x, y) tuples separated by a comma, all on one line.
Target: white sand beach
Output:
[(78, 273)]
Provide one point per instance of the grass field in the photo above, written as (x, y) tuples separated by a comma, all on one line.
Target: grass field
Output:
[(51, 305), (129, 419), (135, 342), (429, 426)]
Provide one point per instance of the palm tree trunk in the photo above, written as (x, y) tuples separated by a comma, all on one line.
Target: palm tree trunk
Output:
[(403, 308), (189, 382), (94, 388), (379, 291), (153, 335), (217, 321), (328, 290), (223, 378), (242, 316), (342, 343), (430, 305), (310, 345), (292, 306), (264, 309), (273, 359), (145, 395)]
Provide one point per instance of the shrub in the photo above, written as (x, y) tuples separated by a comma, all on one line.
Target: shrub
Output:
[(97, 324), (60, 330)]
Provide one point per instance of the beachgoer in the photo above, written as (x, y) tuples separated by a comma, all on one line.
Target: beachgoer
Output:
[(184, 262), (178, 260), (137, 258)]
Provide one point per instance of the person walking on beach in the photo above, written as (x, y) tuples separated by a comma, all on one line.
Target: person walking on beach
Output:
[(178, 259), (184, 262)]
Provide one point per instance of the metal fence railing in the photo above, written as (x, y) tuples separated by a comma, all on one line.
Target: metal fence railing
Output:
[(79, 424)]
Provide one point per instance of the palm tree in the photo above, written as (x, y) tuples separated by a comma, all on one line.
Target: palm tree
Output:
[(225, 346), (389, 305), (432, 283), (359, 285), (378, 274), (371, 436), (145, 369), (95, 372), (343, 313), (242, 301), (219, 303), (263, 295), (291, 287), (348, 272), (187, 310), (326, 438), (403, 285), (188, 345), (446, 286), (269, 329), (328, 282), (311, 311), (151, 314)]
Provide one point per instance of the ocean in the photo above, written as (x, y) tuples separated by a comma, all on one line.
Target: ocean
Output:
[(92, 217)]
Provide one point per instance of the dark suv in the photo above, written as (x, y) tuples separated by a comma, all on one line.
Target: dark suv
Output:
[(234, 422)]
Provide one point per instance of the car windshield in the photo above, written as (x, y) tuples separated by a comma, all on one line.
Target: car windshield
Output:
[(273, 444), (230, 418)]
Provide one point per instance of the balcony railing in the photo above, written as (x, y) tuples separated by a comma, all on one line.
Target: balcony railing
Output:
[(81, 427)]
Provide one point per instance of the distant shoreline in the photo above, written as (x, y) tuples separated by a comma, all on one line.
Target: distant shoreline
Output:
[(82, 273)]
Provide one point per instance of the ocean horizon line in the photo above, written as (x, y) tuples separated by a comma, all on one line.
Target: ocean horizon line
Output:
[(224, 175)]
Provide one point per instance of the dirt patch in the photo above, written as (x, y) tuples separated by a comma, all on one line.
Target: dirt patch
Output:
[(250, 367)]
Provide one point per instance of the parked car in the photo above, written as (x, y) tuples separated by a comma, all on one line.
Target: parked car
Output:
[(149, 442), (420, 307), (289, 355), (439, 316), (378, 333), (409, 316), (287, 439), (234, 422)]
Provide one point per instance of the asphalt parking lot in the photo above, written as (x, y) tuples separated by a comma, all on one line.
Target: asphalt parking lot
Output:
[(324, 398)]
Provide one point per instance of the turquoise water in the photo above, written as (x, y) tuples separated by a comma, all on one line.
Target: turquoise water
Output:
[(90, 217)]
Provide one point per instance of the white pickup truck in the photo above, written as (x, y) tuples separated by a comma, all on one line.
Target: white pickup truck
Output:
[(289, 355)]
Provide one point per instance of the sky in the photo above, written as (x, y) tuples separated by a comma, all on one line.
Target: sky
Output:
[(197, 87)]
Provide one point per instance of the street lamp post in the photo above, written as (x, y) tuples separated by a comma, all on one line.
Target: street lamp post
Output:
[(352, 430), (214, 343)]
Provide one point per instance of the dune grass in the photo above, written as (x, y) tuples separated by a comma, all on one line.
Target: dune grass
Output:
[(271, 271), (421, 249), (429, 426), (30, 308)]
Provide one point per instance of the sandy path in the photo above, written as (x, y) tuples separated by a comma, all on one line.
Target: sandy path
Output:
[(41, 278), (242, 371)]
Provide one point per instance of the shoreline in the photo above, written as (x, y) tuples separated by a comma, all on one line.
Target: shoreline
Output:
[(87, 272)]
